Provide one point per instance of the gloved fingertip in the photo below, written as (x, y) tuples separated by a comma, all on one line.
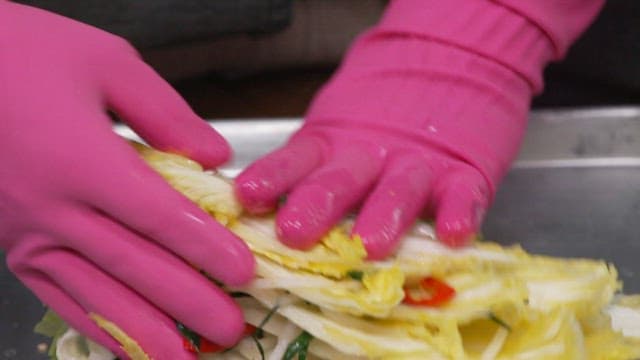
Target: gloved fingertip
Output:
[(377, 249), (244, 270), (381, 224), (378, 243), (216, 152), (254, 194), (295, 232), (217, 318), (457, 232), (308, 214), (460, 215), (293, 237), (233, 328), (456, 240), (235, 264), (207, 147)]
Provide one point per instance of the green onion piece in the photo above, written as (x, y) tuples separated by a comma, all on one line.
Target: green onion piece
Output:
[(499, 321), (259, 345), (259, 333), (355, 274), (282, 200), (190, 335), (298, 346), (238, 294)]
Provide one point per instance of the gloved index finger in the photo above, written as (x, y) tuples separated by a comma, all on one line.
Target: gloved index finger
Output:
[(260, 186), (136, 196)]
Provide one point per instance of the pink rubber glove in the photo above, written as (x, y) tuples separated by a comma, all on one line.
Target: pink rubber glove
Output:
[(86, 225), (424, 116)]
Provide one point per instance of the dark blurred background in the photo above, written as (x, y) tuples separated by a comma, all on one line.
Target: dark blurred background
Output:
[(257, 58)]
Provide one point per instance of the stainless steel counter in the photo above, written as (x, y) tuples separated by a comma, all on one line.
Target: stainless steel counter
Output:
[(574, 191)]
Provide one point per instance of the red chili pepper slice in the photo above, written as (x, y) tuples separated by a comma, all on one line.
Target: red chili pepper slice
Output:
[(248, 329), (439, 293), (207, 346), (188, 345)]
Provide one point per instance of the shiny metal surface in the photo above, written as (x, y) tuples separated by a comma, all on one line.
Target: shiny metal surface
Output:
[(574, 191)]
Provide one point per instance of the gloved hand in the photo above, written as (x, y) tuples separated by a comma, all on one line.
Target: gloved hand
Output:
[(410, 125), (85, 224)]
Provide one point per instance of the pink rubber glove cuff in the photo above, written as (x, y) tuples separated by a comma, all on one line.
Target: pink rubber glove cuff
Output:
[(432, 94), (522, 35)]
